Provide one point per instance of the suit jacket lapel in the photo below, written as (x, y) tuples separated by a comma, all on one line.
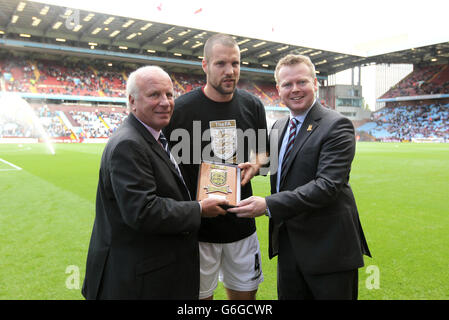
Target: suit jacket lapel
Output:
[(310, 124), (280, 126), (282, 129), (155, 146)]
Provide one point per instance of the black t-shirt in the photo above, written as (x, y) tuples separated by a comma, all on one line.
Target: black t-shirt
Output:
[(202, 118)]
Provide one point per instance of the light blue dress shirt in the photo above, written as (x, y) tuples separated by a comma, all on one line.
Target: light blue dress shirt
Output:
[(300, 119)]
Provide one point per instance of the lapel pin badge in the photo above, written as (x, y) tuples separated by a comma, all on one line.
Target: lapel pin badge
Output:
[(309, 128)]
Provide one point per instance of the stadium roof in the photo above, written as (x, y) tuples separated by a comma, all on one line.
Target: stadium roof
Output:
[(51, 24)]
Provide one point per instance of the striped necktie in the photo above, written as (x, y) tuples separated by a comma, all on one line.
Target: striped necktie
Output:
[(164, 143), (291, 140)]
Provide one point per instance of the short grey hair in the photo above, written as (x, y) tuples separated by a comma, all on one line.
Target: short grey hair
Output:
[(132, 89)]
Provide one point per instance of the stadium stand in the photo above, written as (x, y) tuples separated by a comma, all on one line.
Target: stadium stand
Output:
[(409, 123), (422, 81), (56, 77), (392, 123)]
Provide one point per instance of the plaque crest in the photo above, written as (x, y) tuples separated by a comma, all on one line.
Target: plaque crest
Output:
[(219, 181), (218, 177), (223, 138)]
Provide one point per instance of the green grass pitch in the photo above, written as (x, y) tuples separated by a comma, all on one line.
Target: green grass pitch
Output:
[(47, 211)]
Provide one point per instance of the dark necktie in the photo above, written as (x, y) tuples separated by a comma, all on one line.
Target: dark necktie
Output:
[(164, 143), (290, 142)]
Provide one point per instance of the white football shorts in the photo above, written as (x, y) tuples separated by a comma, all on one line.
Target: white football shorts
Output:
[(236, 264)]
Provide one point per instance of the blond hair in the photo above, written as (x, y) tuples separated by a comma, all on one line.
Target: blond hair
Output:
[(293, 59)]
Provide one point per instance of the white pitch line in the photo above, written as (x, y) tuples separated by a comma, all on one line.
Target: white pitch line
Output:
[(9, 163)]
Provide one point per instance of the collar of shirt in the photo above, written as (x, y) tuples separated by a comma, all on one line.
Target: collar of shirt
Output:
[(300, 118), (153, 132)]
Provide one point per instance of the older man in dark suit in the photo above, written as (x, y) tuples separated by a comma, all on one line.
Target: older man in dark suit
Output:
[(144, 240), (314, 222)]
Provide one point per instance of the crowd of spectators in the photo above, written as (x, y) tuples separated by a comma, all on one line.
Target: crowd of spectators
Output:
[(78, 78), (97, 124), (410, 122), (52, 123), (81, 79), (422, 81)]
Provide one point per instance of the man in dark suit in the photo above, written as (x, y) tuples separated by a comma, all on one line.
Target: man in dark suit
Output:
[(314, 223), (144, 240)]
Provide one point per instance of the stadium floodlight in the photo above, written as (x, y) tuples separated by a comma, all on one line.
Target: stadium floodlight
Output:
[(113, 34), (320, 62), (169, 39), (57, 25), (259, 44), (35, 22), (184, 32), (243, 41), (25, 35), (60, 39), (197, 44), (108, 20), (21, 6), (89, 17), (264, 54), (151, 51), (14, 18), (44, 10), (128, 23), (282, 48), (96, 30), (306, 51), (145, 27)]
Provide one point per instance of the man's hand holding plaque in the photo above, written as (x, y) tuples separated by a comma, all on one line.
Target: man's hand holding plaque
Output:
[(220, 181)]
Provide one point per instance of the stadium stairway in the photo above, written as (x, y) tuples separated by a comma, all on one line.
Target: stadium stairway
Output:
[(442, 76), (36, 72), (178, 84), (262, 92), (66, 123), (104, 122), (124, 76)]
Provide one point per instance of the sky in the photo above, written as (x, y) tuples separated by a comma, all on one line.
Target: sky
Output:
[(359, 27), (348, 26)]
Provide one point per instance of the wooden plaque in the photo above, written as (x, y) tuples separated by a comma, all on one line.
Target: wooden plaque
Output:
[(219, 181)]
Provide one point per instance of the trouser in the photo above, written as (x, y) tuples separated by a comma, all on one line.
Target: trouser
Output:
[(293, 284)]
